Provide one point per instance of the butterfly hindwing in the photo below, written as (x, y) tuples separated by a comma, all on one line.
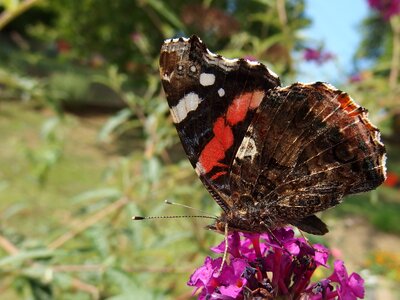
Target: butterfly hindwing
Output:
[(306, 148)]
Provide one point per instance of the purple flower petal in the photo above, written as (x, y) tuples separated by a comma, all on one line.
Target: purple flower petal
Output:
[(293, 248), (248, 251), (279, 264), (282, 237), (230, 274), (220, 248), (233, 245), (322, 290), (233, 290), (348, 288), (203, 275), (339, 274), (356, 282), (321, 255)]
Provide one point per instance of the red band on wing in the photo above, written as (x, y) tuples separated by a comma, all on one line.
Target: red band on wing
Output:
[(216, 148), (347, 103), (237, 111), (218, 174), (353, 110), (223, 138)]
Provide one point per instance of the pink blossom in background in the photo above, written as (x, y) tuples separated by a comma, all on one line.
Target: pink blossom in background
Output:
[(136, 37), (317, 55), (250, 58), (387, 8), (356, 78)]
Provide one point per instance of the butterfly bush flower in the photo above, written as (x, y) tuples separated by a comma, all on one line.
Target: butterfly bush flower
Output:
[(260, 267), (387, 8)]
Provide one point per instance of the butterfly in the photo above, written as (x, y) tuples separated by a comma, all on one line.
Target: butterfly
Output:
[(268, 155)]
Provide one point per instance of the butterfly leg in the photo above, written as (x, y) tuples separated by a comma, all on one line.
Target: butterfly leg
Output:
[(226, 248)]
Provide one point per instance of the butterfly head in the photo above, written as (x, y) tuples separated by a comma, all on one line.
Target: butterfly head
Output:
[(243, 222)]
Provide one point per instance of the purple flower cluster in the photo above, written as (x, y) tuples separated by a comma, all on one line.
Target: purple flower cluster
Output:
[(269, 266), (317, 55), (387, 8)]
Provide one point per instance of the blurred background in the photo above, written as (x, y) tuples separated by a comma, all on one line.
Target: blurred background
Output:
[(87, 140)]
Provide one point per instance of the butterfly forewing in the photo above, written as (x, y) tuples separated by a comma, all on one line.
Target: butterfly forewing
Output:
[(212, 101)]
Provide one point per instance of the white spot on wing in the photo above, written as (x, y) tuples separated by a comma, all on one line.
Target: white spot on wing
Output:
[(187, 104), (211, 54), (253, 62), (181, 45), (247, 148), (230, 60), (272, 73), (167, 77), (207, 79), (175, 40), (383, 165), (222, 62), (221, 92), (199, 169), (330, 86)]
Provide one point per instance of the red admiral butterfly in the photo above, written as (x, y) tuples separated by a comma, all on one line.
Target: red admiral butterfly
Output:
[(268, 155)]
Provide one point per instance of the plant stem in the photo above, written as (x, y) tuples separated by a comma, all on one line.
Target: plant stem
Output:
[(88, 222), (9, 14), (395, 64), (9, 247), (280, 4)]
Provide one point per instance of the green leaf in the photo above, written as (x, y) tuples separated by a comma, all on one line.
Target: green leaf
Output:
[(10, 4), (137, 294), (100, 239), (49, 127), (97, 194), (113, 123), (40, 290), (26, 255), (166, 12), (129, 287)]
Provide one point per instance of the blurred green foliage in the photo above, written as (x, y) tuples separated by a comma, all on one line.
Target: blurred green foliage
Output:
[(90, 142)]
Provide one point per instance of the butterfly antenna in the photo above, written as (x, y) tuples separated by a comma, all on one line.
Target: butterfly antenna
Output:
[(138, 218), (186, 206)]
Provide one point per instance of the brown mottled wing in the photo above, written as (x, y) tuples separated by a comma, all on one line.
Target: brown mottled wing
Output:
[(306, 148), (212, 101)]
